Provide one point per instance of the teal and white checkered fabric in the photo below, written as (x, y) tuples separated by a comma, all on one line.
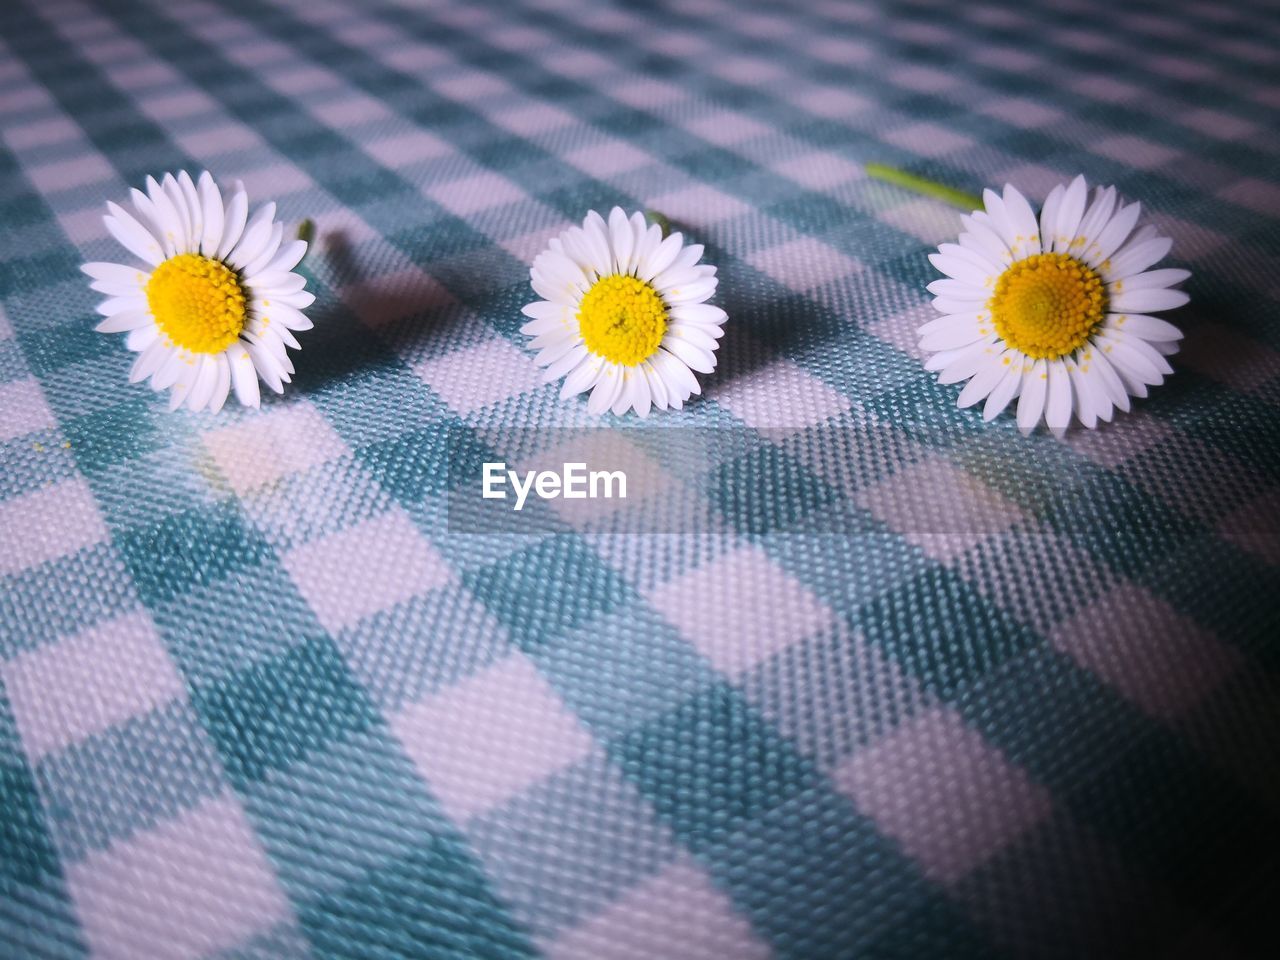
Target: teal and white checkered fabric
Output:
[(256, 700)]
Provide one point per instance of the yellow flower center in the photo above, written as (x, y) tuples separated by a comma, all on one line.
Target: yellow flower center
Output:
[(1047, 305), (198, 302), (622, 319)]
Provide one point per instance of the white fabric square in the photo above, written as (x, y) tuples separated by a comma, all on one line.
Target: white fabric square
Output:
[(23, 409), (473, 194), (479, 375), (63, 692), (487, 738), (804, 263), (942, 792), (48, 523), (282, 440), (188, 888), (779, 396), (366, 568), (677, 913), (740, 609)]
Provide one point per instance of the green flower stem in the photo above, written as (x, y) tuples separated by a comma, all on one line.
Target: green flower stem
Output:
[(307, 232), (930, 188), (653, 216)]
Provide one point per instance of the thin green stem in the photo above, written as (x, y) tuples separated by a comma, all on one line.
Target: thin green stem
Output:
[(929, 188)]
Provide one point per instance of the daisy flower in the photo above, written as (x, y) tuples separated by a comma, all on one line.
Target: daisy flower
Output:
[(215, 301), (1054, 311), (623, 314)]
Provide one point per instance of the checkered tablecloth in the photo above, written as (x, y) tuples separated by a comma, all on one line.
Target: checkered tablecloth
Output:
[(258, 700)]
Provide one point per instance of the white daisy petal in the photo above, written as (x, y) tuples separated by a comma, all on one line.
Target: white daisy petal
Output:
[(205, 379), (243, 375), (125, 320), (148, 361), (657, 386), (222, 385), (173, 191), (174, 365), (985, 380), (195, 210), (1151, 279), (288, 257), (962, 270), (259, 263), (132, 235), (1112, 386), (1135, 257), (704, 314), (694, 357), (1049, 216), (679, 379), (1143, 326), (141, 338), (959, 332), (661, 258), (1057, 407), (253, 241), (1005, 390), (237, 213), (113, 305), (690, 333), (1035, 384), (1144, 301), (582, 377), (1023, 220), (605, 391), (1083, 399), (212, 214), (1070, 211), (1096, 217), (1113, 235)]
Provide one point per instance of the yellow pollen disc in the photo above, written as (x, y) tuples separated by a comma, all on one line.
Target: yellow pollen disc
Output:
[(622, 319), (198, 302), (1048, 305)]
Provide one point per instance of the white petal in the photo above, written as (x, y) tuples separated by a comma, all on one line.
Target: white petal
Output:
[(299, 301), (174, 192), (221, 386), (1023, 219), (205, 380), (1135, 257), (1107, 378), (132, 235), (625, 397), (212, 214), (985, 380), (690, 333), (177, 364), (973, 256), (621, 240), (233, 226), (1143, 326), (1083, 396), (267, 285), (1031, 403), (1095, 218), (969, 361), (963, 270), (1151, 279), (605, 390), (1113, 235), (596, 232), (114, 305), (1049, 216), (1144, 301), (1057, 408), (960, 331), (676, 376), (195, 211), (661, 258), (694, 357), (270, 369), (1070, 212), (958, 290), (704, 314), (561, 363), (695, 292), (1005, 390), (1000, 221), (288, 257), (256, 235), (277, 312), (141, 338), (982, 239), (118, 273), (162, 226), (124, 321), (582, 377), (259, 263), (650, 241), (149, 360), (657, 386), (243, 375)]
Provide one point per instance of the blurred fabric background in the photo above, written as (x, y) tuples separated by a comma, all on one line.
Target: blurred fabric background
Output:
[(257, 700)]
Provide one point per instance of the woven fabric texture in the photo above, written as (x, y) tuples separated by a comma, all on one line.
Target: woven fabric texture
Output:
[(256, 700)]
